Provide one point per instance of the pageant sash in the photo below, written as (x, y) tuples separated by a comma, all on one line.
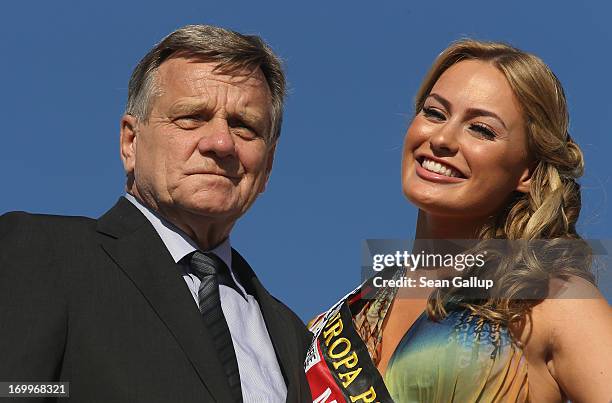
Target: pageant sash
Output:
[(338, 366)]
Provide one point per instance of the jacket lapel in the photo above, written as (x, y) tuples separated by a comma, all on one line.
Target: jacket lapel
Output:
[(284, 338), (136, 248)]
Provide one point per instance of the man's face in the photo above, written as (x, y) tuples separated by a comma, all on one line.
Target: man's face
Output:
[(202, 152)]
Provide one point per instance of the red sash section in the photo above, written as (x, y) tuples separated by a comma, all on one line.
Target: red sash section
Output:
[(338, 366)]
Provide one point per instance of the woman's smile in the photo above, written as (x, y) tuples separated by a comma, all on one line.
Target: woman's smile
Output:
[(437, 172)]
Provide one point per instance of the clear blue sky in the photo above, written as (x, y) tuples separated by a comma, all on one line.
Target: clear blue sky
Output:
[(353, 70)]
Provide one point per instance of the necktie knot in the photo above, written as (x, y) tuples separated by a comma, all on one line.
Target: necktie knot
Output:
[(206, 264), (209, 267)]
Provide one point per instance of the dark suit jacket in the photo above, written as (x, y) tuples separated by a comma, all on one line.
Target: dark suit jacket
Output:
[(101, 304)]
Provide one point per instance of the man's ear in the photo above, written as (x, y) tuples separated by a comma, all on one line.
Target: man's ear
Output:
[(524, 183), (127, 143), (268, 167)]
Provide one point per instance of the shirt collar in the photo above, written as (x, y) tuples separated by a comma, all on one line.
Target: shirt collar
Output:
[(177, 242)]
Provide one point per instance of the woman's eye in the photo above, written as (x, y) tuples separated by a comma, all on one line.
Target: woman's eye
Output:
[(433, 113), (483, 130)]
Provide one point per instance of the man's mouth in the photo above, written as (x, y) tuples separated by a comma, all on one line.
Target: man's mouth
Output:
[(232, 178), (228, 176)]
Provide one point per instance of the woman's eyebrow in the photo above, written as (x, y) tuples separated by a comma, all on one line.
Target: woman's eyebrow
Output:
[(445, 102), (471, 112)]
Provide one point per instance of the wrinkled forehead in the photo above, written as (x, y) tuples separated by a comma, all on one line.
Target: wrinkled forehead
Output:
[(195, 78)]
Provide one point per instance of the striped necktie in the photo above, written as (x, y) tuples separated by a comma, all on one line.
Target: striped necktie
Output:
[(209, 267)]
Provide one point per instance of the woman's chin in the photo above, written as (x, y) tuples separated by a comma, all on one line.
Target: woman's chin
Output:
[(439, 205), (432, 200)]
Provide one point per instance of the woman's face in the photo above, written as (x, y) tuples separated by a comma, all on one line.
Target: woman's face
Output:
[(466, 151)]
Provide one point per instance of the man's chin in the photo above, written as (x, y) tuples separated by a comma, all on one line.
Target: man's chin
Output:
[(213, 212), (208, 202)]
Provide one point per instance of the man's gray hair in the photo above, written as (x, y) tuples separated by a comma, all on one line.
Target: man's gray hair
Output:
[(231, 51)]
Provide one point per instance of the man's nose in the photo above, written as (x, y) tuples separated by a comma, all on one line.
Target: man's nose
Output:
[(217, 138), (445, 140)]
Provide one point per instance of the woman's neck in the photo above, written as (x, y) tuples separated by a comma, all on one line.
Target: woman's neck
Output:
[(440, 227), (432, 233)]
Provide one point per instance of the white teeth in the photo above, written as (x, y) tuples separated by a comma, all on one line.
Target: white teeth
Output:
[(439, 168)]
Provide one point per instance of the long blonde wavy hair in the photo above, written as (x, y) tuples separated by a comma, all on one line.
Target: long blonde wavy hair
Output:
[(551, 208)]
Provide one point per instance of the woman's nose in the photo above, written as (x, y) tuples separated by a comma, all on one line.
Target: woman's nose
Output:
[(444, 141)]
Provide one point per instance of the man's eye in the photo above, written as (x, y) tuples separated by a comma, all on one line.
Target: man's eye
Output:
[(197, 118), (242, 129), (189, 121), (433, 113), (245, 132)]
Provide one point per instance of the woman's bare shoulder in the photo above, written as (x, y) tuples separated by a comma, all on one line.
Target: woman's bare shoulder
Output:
[(572, 287), (569, 333), (572, 303)]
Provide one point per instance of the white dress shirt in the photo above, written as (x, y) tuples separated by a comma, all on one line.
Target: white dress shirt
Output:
[(261, 379)]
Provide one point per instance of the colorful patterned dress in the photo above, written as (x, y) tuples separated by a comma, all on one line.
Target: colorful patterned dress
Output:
[(462, 358)]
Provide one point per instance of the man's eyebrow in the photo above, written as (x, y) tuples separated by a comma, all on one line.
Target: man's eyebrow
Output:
[(188, 107), (471, 112), (194, 107), (246, 116)]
